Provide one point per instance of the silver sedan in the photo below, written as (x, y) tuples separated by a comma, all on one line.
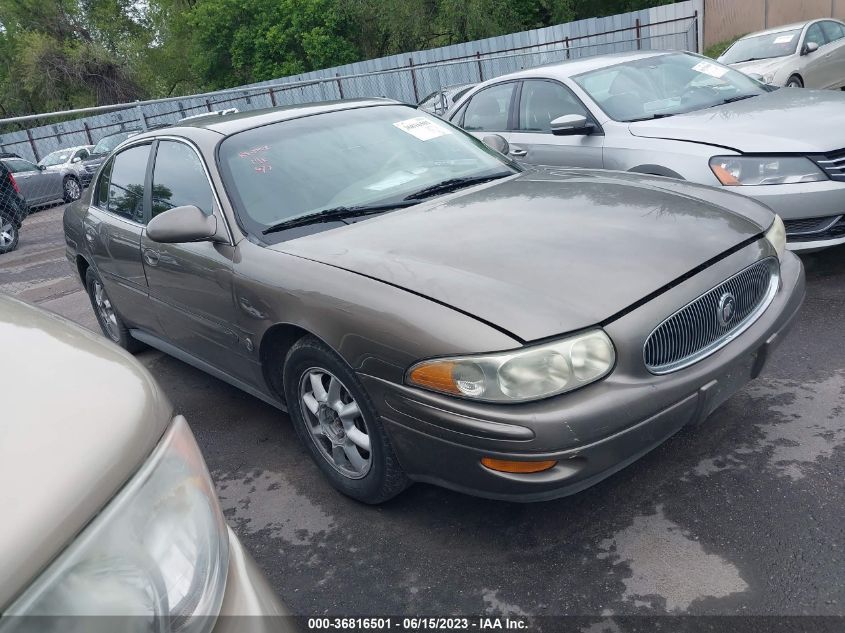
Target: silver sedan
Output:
[(36, 185), (678, 115), (805, 55), (68, 162)]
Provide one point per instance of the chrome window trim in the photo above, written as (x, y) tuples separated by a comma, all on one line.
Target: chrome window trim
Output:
[(715, 346)]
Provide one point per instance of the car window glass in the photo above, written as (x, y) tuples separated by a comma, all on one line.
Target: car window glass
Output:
[(101, 197), (766, 46), (833, 30), (488, 109), (126, 186), (543, 101), (815, 34), (179, 179), (430, 100), (18, 165)]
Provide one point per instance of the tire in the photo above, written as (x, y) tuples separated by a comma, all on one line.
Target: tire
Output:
[(794, 82), (9, 235), (335, 431), (71, 189), (110, 322)]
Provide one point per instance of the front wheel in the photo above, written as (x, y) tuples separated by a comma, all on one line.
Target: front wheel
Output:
[(795, 82), (72, 189), (338, 425), (9, 235)]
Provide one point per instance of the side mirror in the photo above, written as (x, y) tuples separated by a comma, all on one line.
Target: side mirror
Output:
[(182, 224), (42, 167), (809, 47), (571, 125), (496, 142), (76, 159)]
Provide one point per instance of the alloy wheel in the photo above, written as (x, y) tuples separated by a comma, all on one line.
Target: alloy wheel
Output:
[(7, 234), (105, 311), (335, 422), (72, 189)]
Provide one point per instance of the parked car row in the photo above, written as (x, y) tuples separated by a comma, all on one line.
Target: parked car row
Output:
[(678, 115)]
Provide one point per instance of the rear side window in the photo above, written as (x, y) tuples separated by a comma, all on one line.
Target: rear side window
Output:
[(17, 165), (488, 110), (179, 179), (126, 184), (833, 30), (543, 101)]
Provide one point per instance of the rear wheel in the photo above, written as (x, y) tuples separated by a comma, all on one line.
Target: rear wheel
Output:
[(9, 234), (72, 189), (795, 82), (334, 418), (110, 322)]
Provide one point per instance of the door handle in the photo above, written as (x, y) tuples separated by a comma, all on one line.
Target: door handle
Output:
[(151, 257), (517, 151)]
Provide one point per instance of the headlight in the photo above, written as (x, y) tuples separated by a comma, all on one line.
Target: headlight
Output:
[(159, 551), (530, 373), (777, 235), (764, 170)]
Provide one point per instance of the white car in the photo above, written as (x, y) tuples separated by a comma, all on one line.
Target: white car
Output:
[(804, 55)]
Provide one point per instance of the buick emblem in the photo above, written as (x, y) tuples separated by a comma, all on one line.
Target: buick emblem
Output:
[(727, 309)]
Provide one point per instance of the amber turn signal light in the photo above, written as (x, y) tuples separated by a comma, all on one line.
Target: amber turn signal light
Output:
[(437, 376), (512, 466)]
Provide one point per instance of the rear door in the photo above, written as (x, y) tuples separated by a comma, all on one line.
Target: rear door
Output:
[(113, 227), (540, 102), (191, 283)]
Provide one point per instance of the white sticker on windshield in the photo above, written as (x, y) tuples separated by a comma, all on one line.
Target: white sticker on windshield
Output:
[(710, 69), (422, 128), (784, 39)]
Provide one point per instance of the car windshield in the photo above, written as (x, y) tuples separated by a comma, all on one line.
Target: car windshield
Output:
[(352, 158), (665, 85), (56, 158), (765, 46), (108, 143)]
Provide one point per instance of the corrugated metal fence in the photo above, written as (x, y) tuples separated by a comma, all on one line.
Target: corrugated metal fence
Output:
[(408, 77)]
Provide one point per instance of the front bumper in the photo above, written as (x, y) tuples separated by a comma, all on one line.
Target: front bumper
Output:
[(824, 199), (597, 430), (249, 604)]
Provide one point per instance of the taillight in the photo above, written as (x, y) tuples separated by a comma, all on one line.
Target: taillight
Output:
[(14, 183)]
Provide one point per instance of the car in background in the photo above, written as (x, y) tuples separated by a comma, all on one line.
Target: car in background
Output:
[(9, 155), (803, 55), (423, 307), (98, 154), (117, 514), (439, 101), (38, 186), (678, 115), (68, 161), (13, 211)]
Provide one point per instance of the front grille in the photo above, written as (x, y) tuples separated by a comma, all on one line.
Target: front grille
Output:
[(696, 330), (808, 226), (833, 164), (833, 229)]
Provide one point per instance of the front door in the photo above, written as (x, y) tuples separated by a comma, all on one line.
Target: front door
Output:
[(540, 102), (37, 187), (191, 283)]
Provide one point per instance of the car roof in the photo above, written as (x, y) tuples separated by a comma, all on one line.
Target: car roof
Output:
[(238, 121), (785, 27)]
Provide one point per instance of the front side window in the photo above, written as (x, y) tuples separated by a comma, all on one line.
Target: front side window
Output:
[(815, 34), (126, 185), (101, 195), (543, 101), (179, 179), (665, 85), (833, 30), (487, 111), (767, 46), (378, 155)]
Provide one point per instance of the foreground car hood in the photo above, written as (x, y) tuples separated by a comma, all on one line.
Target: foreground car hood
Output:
[(547, 251), (785, 120), (67, 444)]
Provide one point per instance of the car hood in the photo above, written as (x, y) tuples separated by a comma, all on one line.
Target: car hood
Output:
[(68, 442), (761, 66), (785, 120), (547, 251)]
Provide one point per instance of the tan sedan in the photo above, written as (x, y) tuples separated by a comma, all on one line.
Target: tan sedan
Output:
[(108, 507)]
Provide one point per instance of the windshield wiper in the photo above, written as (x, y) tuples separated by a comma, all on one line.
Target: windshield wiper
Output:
[(334, 214), (732, 100), (453, 184), (650, 117)]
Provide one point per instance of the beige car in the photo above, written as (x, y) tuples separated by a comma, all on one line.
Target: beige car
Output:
[(108, 508)]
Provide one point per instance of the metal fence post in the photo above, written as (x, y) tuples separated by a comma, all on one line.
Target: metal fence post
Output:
[(272, 97), (639, 34), (339, 85), (480, 68), (141, 118), (695, 30), (88, 133), (566, 45), (32, 145), (414, 79)]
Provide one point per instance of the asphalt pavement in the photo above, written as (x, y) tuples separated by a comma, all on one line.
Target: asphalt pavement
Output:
[(741, 515)]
